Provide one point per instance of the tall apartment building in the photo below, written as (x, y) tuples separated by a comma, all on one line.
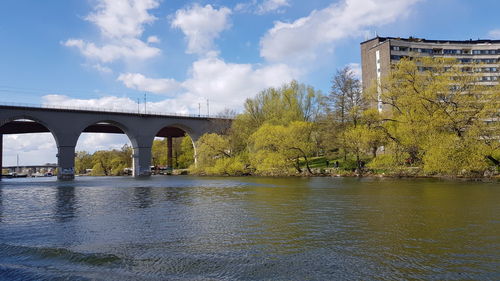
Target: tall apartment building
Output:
[(379, 53)]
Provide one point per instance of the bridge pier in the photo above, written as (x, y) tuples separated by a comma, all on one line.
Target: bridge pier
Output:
[(66, 162), (141, 162)]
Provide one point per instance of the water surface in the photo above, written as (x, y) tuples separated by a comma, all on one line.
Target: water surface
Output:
[(201, 228)]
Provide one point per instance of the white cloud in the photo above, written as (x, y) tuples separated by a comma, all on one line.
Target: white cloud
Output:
[(121, 24), (299, 40), (33, 149), (140, 82), (127, 48), (355, 69), (101, 68), (494, 34), (153, 39), (229, 84), (271, 5), (263, 7), (201, 26), (122, 18), (108, 102), (226, 85), (92, 142), (116, 103)]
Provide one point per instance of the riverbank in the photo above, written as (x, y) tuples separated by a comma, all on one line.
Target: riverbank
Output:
[(335, 172)]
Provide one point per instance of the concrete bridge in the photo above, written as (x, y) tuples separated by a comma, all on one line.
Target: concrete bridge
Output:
[(66, 125)]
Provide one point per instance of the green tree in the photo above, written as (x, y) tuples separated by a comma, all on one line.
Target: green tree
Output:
[(277, 149), (186, 153), (214, 157), (111, 162), (159, 152), (211, 147), (433, 101), (83, 161), (277, 106)]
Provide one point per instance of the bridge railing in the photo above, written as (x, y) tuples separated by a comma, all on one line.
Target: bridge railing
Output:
[(112, 110)]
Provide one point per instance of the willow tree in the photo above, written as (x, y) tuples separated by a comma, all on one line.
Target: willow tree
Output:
[(433, 101), (278, 149), (275, 106)]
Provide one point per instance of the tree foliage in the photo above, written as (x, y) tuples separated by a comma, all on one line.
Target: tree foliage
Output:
[(437, 116), (111, 162), (269, 137)]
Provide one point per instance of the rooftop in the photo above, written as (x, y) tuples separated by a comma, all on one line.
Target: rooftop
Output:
[(422, 40)]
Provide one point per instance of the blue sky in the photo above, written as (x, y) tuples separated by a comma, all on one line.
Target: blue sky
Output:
[(108, 53)]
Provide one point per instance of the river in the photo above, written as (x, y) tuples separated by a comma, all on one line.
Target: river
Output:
[(249, 228)]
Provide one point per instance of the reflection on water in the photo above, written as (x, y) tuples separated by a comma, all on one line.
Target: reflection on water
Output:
[(142, 197), (1, 205), (189, 228), (65, 206)]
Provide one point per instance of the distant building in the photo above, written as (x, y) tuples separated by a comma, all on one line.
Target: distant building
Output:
[(379, 53)]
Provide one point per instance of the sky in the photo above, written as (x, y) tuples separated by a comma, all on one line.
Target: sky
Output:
[(179, 54)]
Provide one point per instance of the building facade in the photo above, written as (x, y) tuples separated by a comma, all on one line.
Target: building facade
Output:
[(380, 53)]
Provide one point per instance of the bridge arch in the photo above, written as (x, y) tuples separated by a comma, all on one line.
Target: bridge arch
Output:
[(21, 124), (170, 132), (97, 124), (32, 118), (114, 126)]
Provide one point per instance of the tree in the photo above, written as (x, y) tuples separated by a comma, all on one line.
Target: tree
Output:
[(211, 147), (344, 106), (159, 152), (186, 153), (215, 157), (83, 161), (435, 99), (277, 106), (277, 148), (112, 162), (291, 102), (345, 101)]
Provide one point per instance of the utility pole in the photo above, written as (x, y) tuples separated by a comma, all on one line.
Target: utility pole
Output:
[(199, 109), (145, 101), (208, 108), (138, 106)]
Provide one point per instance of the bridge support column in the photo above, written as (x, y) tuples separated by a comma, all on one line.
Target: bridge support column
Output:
[(142, 162), (66, 162), (169, 153)]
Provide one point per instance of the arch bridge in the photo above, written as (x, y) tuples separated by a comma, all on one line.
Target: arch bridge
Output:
[(66, 126)]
